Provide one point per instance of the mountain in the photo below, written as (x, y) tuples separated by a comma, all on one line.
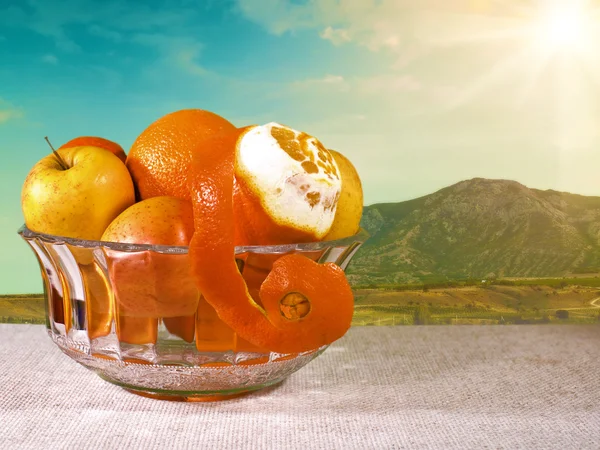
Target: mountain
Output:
[(476, 229)]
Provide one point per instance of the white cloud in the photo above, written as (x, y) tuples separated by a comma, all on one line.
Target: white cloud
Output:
[(105, 33), (175, 51), (115, 21), (327, 82), (186, 58), (46, 19), (383, 86), (52, 19), (395, 25), (390, 84), (50, 59), (415, 41), (337, 36), (9, 112), (332, 79), (280, 16), (368, 22)]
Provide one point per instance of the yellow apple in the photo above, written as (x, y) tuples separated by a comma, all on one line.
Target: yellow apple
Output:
[(81, 201), (350, 204), (153, 284)]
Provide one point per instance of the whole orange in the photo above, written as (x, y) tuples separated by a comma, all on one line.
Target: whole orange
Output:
[(160, 157), (94, 141)]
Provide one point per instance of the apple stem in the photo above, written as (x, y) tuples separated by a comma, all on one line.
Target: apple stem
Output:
[(61, 161)]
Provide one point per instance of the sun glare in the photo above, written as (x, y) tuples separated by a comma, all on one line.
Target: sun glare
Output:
[(563, 28), (554, 43)]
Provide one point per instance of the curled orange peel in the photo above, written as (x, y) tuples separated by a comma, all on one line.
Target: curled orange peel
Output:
[(305, 305)]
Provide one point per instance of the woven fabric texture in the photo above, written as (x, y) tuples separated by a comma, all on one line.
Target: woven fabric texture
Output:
[(419, 387)]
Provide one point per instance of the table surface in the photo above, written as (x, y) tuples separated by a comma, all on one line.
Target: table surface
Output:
[(522, 386)]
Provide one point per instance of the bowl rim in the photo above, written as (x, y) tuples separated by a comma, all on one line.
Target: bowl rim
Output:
[(359, 238)]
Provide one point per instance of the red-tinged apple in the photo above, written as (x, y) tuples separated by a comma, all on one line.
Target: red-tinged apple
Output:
[(78, 201), (150, 283), (95, 141)]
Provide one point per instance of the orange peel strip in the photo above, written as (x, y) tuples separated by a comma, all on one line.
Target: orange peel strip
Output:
[(212, 256)]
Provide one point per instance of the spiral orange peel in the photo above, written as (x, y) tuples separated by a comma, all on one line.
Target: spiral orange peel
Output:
[(304, 305)]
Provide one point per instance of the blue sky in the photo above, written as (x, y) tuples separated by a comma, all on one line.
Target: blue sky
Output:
[(418, 94)]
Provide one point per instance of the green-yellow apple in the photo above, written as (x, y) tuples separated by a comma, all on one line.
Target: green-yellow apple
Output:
[(81, 201), (149, 283), (350, 204)]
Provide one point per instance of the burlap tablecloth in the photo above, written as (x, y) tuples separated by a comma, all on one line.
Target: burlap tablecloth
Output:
[(525, 386)]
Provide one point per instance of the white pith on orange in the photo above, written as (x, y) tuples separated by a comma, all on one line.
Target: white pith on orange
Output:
[(287, 186)]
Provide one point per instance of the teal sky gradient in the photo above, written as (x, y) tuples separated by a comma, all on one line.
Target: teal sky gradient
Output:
[(418, 94)]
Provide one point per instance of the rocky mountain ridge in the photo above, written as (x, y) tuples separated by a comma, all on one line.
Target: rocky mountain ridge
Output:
[(479, 228)]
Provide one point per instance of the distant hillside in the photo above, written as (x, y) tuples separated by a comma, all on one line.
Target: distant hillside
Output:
[(479, 228)]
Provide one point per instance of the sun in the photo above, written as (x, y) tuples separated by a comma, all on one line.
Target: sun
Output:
[(545, 41), (563, 28)]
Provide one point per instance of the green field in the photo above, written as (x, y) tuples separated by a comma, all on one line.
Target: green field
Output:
[(522, 301), (398, 315), (490, 304), (436, 282), (27, 308)]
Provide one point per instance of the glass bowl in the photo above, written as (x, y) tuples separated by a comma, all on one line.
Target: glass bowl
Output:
[(132, 314)]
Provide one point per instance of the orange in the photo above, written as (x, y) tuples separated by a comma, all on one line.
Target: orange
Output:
[(304, 305), (161, 155), (94, 141)]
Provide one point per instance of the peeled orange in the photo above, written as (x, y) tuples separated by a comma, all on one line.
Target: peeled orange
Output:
[(287, 186)]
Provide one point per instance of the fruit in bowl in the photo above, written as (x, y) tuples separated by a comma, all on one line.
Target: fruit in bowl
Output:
[(80, 199), (227, 273), (153, 284)]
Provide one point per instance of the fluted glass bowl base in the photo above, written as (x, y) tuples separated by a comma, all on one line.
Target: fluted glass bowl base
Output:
[(193, 397), (178, 381)]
